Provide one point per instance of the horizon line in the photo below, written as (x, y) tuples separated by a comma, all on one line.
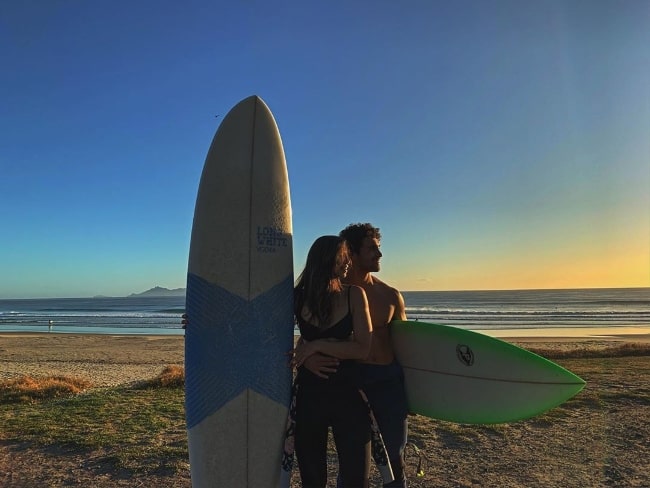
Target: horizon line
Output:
[(144, 294)]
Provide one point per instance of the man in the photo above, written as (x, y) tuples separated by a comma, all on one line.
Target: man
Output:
[(382, 378)]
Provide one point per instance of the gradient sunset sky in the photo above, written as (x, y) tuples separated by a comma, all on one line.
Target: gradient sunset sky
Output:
[(497, 144)]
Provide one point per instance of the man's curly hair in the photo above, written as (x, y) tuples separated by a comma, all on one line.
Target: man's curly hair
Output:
[(355, 233)]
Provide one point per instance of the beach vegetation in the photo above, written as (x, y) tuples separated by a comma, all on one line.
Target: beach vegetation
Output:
[(140, 427), (25, 389), (172, 376), (597, 350)]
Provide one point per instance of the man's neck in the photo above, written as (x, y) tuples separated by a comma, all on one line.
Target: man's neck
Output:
[(359, 278)]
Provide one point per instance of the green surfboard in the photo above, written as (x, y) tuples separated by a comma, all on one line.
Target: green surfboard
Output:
[(462, 376)]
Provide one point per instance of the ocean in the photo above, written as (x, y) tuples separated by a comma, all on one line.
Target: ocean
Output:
[(475, 310), (129, 315)]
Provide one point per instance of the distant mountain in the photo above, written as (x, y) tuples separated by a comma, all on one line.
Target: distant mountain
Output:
[(159, 291)]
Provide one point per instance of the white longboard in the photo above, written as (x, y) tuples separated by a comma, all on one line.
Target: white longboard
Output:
[(239, 305)]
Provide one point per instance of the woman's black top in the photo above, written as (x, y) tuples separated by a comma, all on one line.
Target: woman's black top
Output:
[(342, 330)]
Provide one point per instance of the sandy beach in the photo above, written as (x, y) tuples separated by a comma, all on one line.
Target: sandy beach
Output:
[(111, 360), (601, 438), (103, 359)]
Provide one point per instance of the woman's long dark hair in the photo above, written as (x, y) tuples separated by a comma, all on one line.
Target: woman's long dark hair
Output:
[(316, 284)]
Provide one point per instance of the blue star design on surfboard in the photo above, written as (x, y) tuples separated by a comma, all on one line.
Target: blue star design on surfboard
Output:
[(233, 344)]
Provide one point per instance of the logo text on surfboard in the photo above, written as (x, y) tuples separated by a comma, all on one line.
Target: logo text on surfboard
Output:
[(270, 239)]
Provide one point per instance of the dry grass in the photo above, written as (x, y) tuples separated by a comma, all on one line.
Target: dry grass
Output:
[(171, 377), (26, 389), (632, 349)]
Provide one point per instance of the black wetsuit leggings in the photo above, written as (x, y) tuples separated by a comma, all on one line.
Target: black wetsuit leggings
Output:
[(319, 407)]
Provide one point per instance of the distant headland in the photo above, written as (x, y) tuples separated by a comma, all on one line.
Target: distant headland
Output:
[(159, 291)]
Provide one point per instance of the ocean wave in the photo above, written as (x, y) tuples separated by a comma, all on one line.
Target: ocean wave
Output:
[(472, 310)]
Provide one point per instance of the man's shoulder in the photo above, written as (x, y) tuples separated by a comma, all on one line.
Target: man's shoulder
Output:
[(382, 284), (385, 287)]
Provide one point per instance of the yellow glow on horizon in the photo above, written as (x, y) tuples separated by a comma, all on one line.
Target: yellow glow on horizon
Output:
[(606, 248), (590, 268)]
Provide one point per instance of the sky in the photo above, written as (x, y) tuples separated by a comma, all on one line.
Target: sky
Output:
[(496, 144)]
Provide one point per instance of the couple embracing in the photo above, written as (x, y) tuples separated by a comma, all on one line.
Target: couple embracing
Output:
[(347, 375)]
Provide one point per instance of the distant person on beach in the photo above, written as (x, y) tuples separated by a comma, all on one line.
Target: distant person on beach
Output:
[(382, 379), (334, 321)]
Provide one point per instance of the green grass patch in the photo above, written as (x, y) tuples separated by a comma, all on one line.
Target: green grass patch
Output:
[(141, 429)]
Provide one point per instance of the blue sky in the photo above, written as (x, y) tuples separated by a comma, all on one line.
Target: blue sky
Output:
[(498, 144)]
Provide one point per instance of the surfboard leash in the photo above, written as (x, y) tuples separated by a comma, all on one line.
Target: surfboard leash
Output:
[(421, 456)]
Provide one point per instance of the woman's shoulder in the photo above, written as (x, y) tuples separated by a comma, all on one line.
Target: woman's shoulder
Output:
[(356, 293), (352, 288)]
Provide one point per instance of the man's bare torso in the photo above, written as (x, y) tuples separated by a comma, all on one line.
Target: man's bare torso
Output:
[(385, 304)]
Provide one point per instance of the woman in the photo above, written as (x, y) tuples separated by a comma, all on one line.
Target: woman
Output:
[(334, 320)]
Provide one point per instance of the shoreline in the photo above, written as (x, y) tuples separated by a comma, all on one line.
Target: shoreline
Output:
[(624, 332)]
